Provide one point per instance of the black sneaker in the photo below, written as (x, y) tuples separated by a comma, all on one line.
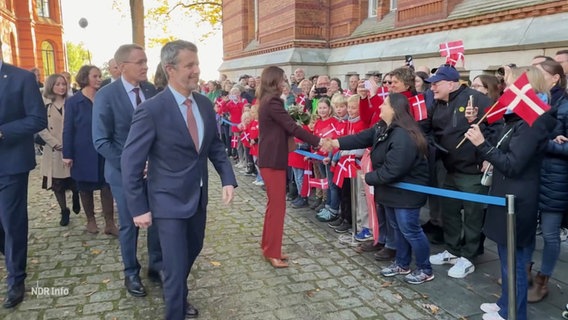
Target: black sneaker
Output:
[(316, 203), (344, 227), (301, 202), (336, 223)]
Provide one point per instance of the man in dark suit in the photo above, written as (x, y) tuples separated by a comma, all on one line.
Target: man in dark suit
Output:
[(114, 72), (112, 115), (176, 132), (22, 113)]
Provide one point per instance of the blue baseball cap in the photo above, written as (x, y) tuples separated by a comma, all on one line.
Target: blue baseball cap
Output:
[(445, 72)]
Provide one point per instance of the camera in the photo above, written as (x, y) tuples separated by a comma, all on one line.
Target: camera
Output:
[(320, 92)]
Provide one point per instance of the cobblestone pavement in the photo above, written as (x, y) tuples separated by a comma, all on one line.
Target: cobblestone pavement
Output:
[(75, 275)]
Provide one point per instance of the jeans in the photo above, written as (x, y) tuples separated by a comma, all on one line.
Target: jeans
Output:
[(386, 233), (550, 223), (409, 238), (523, 256), (299, 178), (332, 190)]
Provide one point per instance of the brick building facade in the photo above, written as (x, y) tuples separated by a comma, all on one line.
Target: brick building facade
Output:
[(342, 37), (32, 35)]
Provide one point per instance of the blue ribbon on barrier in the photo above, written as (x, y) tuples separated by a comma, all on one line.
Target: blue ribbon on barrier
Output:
[(229, 122), (310, 155), (496, 201)]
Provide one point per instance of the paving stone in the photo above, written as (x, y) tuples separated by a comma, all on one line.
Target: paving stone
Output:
[(230, 279)]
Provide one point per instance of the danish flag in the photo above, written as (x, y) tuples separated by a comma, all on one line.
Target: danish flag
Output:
[(452, 47), (418, 107), (301, 100), (453, 58), (318, 183), (496, 112), (245, 136), (346, 168), (383, 92), (234, 142), (522, 99)]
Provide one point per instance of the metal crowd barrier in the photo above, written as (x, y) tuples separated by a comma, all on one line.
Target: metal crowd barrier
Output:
[(508, 201)]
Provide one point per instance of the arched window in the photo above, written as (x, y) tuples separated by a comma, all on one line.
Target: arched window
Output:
[(48, 58)]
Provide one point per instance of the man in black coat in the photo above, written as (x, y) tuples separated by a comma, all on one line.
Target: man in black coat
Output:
[(446, 125)]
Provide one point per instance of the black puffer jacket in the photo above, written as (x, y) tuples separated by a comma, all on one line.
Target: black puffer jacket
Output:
[(516, 164), (446, 125), (395, 158), (554, 171)]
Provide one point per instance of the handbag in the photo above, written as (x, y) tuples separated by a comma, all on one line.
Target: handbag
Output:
[(487, 177)]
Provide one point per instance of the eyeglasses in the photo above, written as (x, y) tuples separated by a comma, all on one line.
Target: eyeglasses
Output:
[(385, 82)]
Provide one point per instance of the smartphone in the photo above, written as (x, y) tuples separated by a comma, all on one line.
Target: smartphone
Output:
[(367, 84)]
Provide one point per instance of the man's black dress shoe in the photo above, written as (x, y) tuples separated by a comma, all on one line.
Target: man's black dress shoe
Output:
[(14, 296), (191, 312), (134, 286), (155, 276)]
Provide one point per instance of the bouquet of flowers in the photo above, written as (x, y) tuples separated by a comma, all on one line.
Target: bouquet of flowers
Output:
[(299, 115)]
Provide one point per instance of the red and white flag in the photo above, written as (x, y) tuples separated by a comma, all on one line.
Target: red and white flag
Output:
[(383, 92), (245, 137), (367, 166), (346, 168), (418, 107), (301, 100), (453, 58), (447, 48), (305, 192), (318, 183), (496, 112), (522, 99), (234, 142)]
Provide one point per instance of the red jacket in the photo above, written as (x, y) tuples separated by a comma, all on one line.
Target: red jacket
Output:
[(296, 160), (254, 133), (235, 109), (326, 129), (368, 107)]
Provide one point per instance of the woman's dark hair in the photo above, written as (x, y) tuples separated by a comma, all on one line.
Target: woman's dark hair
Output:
[(555, 68), (423, 75), (338, 83), (404, 119), (491, 83), (160, 78), (50, 83), (82, 77), (270, 81)]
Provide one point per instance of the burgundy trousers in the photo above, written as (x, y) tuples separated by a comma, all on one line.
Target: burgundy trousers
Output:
[(275, 183)]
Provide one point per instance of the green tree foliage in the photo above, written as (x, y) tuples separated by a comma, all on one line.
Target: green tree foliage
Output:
[(77, 56), (160, 13)]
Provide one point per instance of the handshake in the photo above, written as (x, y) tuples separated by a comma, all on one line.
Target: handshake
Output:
[(328, 144)]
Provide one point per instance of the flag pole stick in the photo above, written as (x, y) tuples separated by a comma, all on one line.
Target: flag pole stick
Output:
[(479, 122)]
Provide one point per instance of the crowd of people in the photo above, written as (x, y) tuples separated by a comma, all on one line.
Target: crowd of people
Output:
[(121, 136)]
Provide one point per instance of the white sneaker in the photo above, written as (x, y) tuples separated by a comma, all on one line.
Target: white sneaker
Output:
[(461, 269), (489, 307), (563, 234), (443, 258), (492, 316)]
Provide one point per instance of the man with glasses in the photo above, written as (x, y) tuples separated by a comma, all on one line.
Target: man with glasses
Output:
[(112, 114), (446, 126)]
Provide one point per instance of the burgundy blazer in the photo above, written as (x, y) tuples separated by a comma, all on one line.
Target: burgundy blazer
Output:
[(275, 126)]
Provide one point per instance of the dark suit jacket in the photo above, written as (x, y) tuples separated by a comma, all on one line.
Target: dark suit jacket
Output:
[(175, 169), (78, 141), (112, 115), (22, 113)]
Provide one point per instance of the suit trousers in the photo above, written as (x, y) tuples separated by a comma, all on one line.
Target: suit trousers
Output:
[(128, 237), (275, 183), (14, 225), (181, 241)]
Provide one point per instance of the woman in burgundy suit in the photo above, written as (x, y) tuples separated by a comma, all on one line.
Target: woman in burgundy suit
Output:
[(275, 127)]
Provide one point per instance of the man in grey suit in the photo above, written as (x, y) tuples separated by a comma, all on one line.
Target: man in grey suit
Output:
[(112, 114), (22, 113), (176, 131)]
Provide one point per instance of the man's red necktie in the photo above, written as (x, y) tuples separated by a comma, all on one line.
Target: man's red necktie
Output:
[(192, 124)]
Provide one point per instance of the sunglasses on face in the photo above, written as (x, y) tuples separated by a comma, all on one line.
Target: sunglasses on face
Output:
[(385, 82)]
